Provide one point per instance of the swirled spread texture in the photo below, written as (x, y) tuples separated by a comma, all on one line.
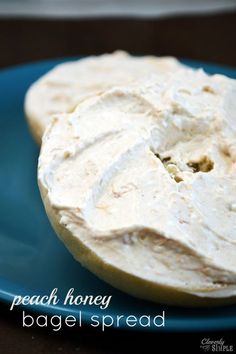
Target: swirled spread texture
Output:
[(139, 182)]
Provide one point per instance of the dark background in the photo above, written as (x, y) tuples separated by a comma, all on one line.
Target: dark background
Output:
[(209, 38)]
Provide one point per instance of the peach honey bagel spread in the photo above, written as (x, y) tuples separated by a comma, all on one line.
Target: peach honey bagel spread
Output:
[(139, 183)]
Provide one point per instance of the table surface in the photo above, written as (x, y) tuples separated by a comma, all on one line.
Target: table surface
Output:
[(207, 38)]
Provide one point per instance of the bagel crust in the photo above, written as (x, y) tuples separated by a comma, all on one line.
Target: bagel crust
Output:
[(62, 88), (139, 183)]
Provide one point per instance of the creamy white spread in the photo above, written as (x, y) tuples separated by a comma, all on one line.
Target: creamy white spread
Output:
[(145, 176), (62, 88)]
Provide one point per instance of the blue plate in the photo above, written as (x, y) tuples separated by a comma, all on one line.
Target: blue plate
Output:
[(32, 259)]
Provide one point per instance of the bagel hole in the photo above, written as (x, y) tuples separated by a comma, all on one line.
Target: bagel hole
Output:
[(205, 164), (170, 166)]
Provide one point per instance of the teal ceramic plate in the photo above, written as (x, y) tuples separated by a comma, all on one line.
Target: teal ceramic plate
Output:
[(32, 259)]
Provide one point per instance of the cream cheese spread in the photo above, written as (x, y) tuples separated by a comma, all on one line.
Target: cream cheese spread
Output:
[(144, 177)]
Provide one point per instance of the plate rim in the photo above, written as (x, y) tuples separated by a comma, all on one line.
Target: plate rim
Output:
[(174, 325)]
